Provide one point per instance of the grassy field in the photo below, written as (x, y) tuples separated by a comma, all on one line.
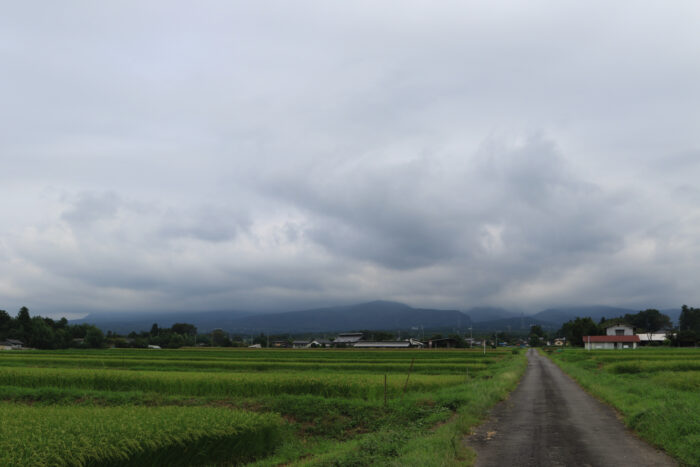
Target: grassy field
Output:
[(316, 407), (657, 390)]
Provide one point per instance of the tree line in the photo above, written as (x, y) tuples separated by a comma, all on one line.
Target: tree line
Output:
[(46, 333), (647, 321)]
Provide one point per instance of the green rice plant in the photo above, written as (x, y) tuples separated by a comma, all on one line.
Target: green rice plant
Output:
[(654, 366), (221, 384), (323, 394), (682, 381), (133, 436), (432, 367)]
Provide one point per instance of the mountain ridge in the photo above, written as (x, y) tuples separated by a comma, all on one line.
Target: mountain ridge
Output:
[(374, 315)]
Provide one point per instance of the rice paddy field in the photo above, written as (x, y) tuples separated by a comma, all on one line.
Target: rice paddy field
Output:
[(656, 390), (316, 407)]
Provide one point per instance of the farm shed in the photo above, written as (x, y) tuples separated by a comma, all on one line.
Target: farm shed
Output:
[(307, 344), (446, 342), (388, 344), (610, 342), (348, 338), (651, 338), (11, 344), (320, 343)]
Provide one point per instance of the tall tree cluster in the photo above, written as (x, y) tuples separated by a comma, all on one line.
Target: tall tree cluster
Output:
[(689, 326), (46, 333)]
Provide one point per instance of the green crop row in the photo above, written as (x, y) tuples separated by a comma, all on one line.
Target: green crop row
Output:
[(654, 366), (238, 365), (132, 436), (270, 355), (223, 384), (328, 398)]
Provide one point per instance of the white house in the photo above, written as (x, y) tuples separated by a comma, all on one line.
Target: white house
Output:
[(617, 336), (610, 342), (619, 330)]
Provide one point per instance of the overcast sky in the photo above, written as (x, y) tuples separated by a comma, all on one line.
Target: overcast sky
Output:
[(291, 154)]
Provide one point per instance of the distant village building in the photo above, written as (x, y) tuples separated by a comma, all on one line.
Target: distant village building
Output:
[(280, 344), (618, 336), (320, 343), (560, 341), (447, 343), (311, 343), (11, 344), (347, 338), (652, 338), (619, 330), (388, 344), (155, 347)]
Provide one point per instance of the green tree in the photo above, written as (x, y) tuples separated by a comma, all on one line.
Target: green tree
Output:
[(220, 339), (5, 323), (176, 341), (575, 329), (689, 326), (23, 325), (537, 336), (41, 334), (185, 329), (94, 337), (648, 321), (260, 339), (690, 319), (23, 317)]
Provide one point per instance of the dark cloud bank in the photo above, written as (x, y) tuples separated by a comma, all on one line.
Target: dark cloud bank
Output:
[(277, 157)]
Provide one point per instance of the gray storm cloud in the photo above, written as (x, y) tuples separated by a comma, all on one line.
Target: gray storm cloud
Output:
[(270, 155)]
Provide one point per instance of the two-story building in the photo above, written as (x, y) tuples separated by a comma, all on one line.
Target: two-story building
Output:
[(617, 336)]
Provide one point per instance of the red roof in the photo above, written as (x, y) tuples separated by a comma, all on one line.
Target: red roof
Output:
[(610, 339)]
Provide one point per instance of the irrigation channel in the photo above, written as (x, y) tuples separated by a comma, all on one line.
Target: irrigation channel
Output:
[(550, 421)]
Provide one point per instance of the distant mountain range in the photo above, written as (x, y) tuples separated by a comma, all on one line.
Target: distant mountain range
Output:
[(123, 322), (376, 315)]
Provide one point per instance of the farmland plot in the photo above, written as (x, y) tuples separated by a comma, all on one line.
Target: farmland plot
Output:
[(237, 406)]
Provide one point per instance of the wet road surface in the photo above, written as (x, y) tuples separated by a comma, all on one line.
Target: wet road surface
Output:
[(550, 421)]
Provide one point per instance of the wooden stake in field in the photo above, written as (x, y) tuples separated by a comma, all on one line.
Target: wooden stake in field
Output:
[(384, 389), (408, 376)]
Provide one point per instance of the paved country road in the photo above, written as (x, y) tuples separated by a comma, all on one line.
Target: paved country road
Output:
[(550, 421)]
